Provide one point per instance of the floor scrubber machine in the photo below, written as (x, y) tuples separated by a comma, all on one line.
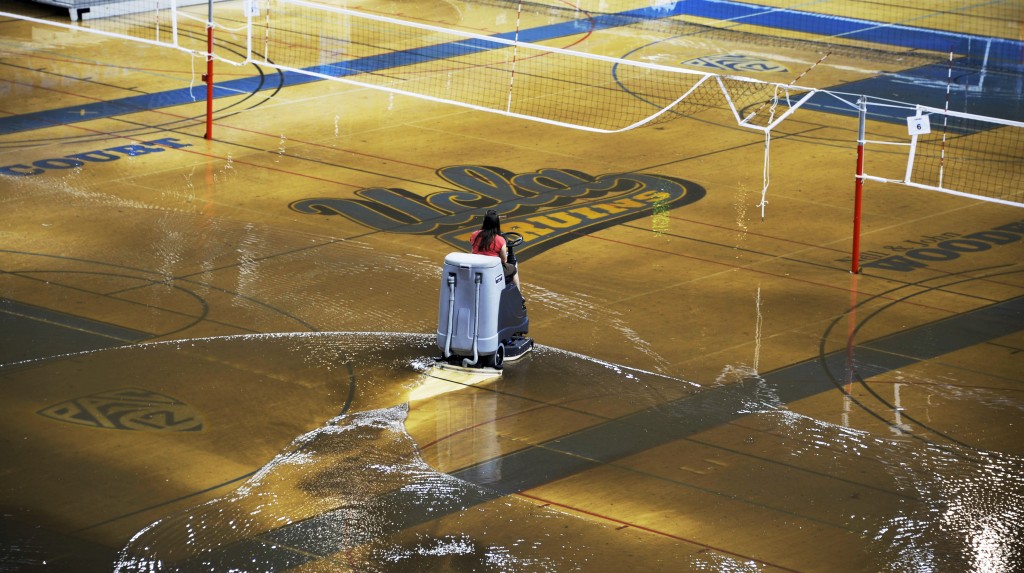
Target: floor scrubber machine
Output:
[(481, 320)]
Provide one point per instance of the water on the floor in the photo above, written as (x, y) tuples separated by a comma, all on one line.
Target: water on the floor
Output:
[(358, 494)]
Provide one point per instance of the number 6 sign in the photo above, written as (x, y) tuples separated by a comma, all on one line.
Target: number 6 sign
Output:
[(918, 125)]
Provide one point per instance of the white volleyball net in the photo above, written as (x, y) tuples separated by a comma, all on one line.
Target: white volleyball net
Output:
[(518, 74), (956, 153), (499, 73), (982, 156)]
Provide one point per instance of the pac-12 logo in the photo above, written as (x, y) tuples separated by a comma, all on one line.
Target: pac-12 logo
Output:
[(736, 63), (548, 207), (127, 409)]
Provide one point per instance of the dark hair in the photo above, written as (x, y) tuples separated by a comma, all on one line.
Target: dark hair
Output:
[(490, 228)]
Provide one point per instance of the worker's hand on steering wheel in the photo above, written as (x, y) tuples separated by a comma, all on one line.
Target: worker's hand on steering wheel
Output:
[(512, 238)]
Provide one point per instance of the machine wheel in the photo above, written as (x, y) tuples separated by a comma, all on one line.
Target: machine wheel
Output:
[(498, 358)]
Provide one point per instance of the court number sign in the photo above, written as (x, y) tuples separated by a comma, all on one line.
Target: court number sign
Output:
[(919, 125)]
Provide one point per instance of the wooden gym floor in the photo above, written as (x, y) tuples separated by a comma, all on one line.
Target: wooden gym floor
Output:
[(206, 365)]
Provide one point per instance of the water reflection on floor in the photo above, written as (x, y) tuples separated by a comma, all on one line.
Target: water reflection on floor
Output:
[(615, 469)]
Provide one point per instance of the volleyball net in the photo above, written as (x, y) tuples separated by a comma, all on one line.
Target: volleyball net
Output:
[(501, 73), (520, 74), (954, 152)]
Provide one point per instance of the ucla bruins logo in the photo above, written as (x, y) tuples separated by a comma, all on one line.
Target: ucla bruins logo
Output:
[(735, 63), (548, 207), (127, 409)]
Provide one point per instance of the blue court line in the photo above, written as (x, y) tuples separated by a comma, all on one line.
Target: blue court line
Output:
[(1000, 98), (996, 49), (999, 49)]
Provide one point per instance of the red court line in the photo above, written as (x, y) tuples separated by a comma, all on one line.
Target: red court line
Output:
[(64, 60), (655, 531), (775, 275), (886, 382), (822, 247), (762, 235), (591, 513)]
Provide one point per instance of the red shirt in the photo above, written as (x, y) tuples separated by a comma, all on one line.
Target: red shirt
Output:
[(495, 247)]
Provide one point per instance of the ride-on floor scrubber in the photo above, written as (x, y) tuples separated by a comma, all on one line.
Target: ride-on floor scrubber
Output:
[(481, 320)]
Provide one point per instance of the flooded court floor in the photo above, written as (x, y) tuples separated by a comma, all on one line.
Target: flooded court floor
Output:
[(218, 354)]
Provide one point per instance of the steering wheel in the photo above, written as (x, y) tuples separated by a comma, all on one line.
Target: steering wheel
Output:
[(513, 239)]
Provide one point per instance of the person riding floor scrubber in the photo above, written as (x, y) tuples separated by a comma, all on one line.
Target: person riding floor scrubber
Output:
[(482, 319)]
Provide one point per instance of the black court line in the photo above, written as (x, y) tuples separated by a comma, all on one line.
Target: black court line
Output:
[(325, 535)]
